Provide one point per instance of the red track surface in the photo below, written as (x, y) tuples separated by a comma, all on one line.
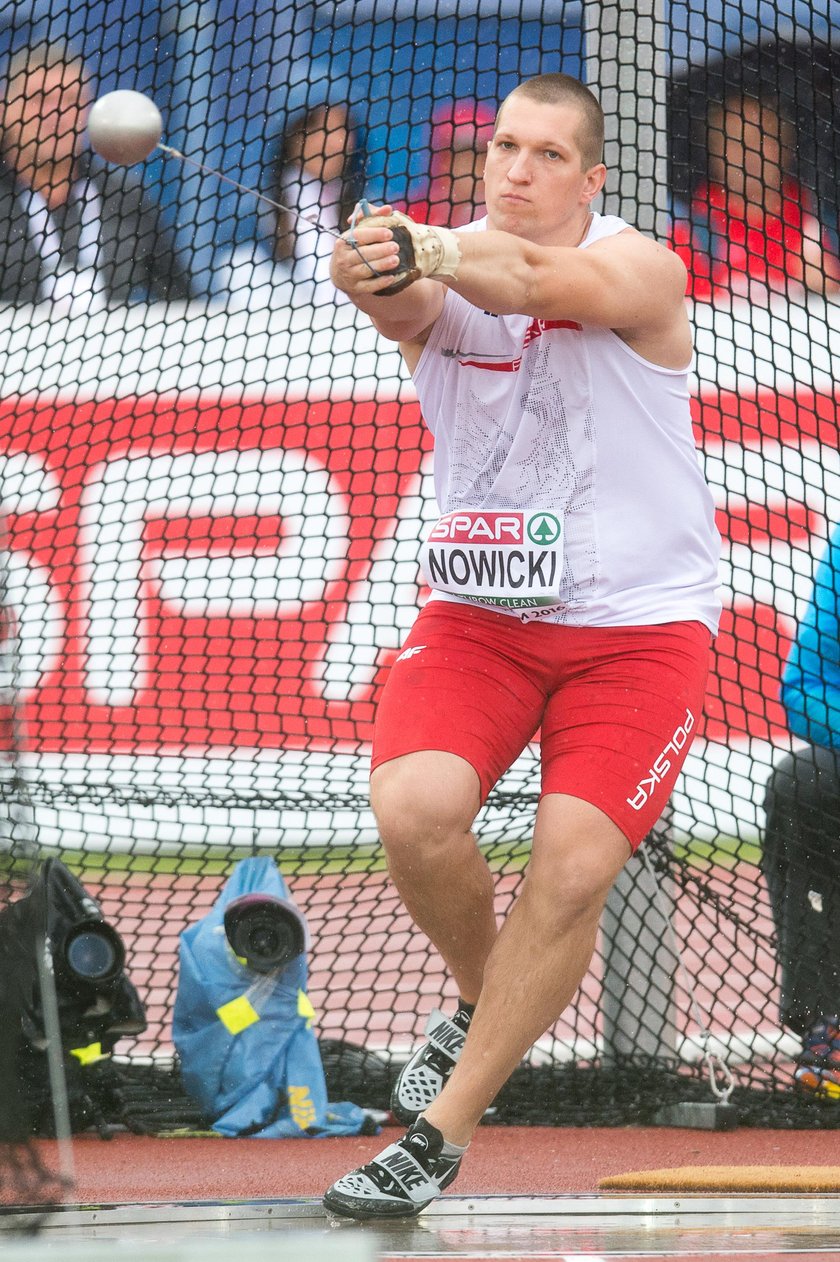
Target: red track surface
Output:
[(373, 976), (503, 1160)]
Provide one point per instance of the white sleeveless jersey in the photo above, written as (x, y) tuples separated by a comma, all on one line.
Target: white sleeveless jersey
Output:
[(551, 415)]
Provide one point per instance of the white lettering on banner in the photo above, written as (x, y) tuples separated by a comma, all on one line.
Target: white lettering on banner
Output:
[(662, 764), (382, 607), (761, 374), (122, 494), (775, 571), (40, 622), (774, 474), (27, 485)]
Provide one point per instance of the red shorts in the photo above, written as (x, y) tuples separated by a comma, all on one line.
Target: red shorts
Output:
[(617, 706)]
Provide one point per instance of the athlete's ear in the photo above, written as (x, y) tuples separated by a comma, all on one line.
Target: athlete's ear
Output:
[(596, 178)]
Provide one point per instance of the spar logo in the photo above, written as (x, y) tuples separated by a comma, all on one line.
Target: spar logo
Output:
[(544, 530), (503, 528)]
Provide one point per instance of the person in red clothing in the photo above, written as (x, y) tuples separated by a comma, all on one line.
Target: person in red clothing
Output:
[(461, 131), (752, 223)]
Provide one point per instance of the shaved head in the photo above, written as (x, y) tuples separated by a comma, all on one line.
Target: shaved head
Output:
[(563, 89)]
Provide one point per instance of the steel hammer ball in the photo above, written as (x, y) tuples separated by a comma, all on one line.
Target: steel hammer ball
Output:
[(124, 127)]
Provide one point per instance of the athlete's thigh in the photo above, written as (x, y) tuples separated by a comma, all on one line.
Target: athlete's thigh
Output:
[(577, 850), (430, 793), (461, 685), (616, 732)]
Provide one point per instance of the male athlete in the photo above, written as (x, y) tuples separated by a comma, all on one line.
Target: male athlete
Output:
[(574, 590)]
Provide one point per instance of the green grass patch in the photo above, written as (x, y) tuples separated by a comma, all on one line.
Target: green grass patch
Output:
[(218, 863), (724, 852)]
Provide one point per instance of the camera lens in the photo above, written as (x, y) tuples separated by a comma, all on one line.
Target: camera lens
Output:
[(93, 953), (263, 932)]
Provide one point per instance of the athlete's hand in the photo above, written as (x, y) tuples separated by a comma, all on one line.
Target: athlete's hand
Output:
[(367, 266), (420, 250)]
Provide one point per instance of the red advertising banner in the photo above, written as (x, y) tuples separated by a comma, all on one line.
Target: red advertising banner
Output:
[(200, 575), (771, 459), (183, 564)]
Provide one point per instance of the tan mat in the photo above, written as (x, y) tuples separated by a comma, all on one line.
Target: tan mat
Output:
[(728, 1179)]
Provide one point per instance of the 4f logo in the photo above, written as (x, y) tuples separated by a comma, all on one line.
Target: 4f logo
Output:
[(412, 652)]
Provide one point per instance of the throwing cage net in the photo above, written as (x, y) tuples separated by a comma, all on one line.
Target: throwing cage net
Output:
[(28, 1177), (215, 477)]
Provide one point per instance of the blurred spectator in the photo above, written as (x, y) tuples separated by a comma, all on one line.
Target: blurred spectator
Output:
[(801, 855), (319, 173), (752, 222), (74, 232), (461, 132)]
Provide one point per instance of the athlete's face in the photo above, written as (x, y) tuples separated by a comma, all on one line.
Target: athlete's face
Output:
[(536, 185)]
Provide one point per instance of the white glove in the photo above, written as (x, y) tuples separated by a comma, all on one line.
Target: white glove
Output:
[(423, 251)]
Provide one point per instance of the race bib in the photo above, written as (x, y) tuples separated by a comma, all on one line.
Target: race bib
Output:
[(505, 560)]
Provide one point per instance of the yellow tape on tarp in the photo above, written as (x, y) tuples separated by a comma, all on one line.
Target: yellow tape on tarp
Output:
[(305, 1009), (237, 1014), (89, 1055)]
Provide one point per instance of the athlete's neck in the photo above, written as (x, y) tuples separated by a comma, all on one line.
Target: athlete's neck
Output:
[(585, 230)]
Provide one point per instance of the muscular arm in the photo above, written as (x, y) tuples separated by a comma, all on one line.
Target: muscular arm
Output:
[(627, 283), (624, 282)]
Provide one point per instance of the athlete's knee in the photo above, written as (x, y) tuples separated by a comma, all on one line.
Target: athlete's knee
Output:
[(421, 802), (569, 886), (577, 853), (567, 899)]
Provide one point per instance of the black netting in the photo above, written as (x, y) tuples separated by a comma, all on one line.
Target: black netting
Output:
[(216, 475), (29, 1178)]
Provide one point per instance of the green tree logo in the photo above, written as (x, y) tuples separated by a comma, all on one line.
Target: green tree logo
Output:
[(544, 529)]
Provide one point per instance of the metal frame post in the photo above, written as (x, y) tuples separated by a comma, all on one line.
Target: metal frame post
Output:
[(626, 64)]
